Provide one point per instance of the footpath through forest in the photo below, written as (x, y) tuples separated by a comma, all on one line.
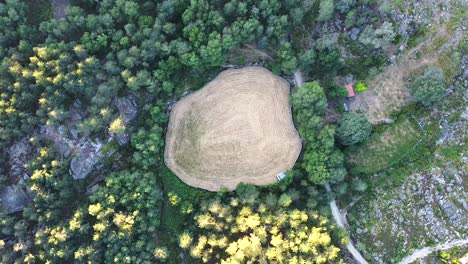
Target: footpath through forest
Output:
[(339, 221)]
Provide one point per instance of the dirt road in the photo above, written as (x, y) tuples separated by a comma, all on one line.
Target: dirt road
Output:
[(339, 221), (423, 252), (298, 78)]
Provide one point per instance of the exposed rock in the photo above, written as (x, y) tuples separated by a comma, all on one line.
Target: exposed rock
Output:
[(62, 130), (87, 157), (12, 199), (60, 7), (127, 108), (73, 132), (388, 121), (128, 112), (465, 114), (19, 153), (123, 138), (354, 33), (76, 112), (430, 207), (62, 144)]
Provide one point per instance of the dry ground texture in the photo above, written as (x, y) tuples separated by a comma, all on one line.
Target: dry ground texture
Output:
[(238, 128), (387, 91)]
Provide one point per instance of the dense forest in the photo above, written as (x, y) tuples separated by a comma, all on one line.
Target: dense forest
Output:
[(103, 78)]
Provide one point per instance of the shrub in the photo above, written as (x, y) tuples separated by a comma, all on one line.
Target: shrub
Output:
[(360, 87), (117, 126), (326, 10), (353, 128), (428, 88)]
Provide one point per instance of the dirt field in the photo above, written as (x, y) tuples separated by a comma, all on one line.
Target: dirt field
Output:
[(238, 128)]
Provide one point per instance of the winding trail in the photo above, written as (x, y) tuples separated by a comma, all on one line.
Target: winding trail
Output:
[(299, 80), (339, 221), (423, 252)]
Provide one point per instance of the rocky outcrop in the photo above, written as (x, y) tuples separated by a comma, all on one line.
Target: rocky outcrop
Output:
[(87, 153), (59, 137), (84, 152), (12, 199), (127, 108), (128, 111), (429, 208), (87, 156), (19, 153), (60, 8)]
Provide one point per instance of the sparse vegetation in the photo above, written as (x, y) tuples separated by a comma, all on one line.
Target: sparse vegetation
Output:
[(385, 148)]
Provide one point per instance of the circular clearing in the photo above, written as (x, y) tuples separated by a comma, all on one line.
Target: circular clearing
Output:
[(237, 128)]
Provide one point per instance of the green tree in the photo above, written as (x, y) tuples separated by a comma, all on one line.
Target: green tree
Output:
[(148, 142), (326, 10), (125, 216), (344, 5), (286, 59), (353, 128), (428, 88), (378, 38), (321, 164)]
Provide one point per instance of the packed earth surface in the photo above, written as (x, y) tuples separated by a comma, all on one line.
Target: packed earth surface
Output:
[(238, 128)]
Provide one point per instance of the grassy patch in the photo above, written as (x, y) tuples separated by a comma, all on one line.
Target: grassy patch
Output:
[(459, 11), (172, 225), (185, 192), (417, 38), (451, 152), (438, 42), (385, 148), (450, 64), (173, 221)]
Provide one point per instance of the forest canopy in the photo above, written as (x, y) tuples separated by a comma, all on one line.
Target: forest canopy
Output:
[(84, 105)]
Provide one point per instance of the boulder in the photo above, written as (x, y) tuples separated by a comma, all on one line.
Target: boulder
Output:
[(123, 138), (388, 121), (127, 108), (88, 155), (62, 144), (19, 154), (12, 199), (464, 115), (354, 33), (128, 112)]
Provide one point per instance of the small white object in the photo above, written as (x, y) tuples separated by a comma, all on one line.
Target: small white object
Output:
[(281, 176)]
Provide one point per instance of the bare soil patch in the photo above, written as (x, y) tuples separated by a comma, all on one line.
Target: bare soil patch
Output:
[(238, 128)]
